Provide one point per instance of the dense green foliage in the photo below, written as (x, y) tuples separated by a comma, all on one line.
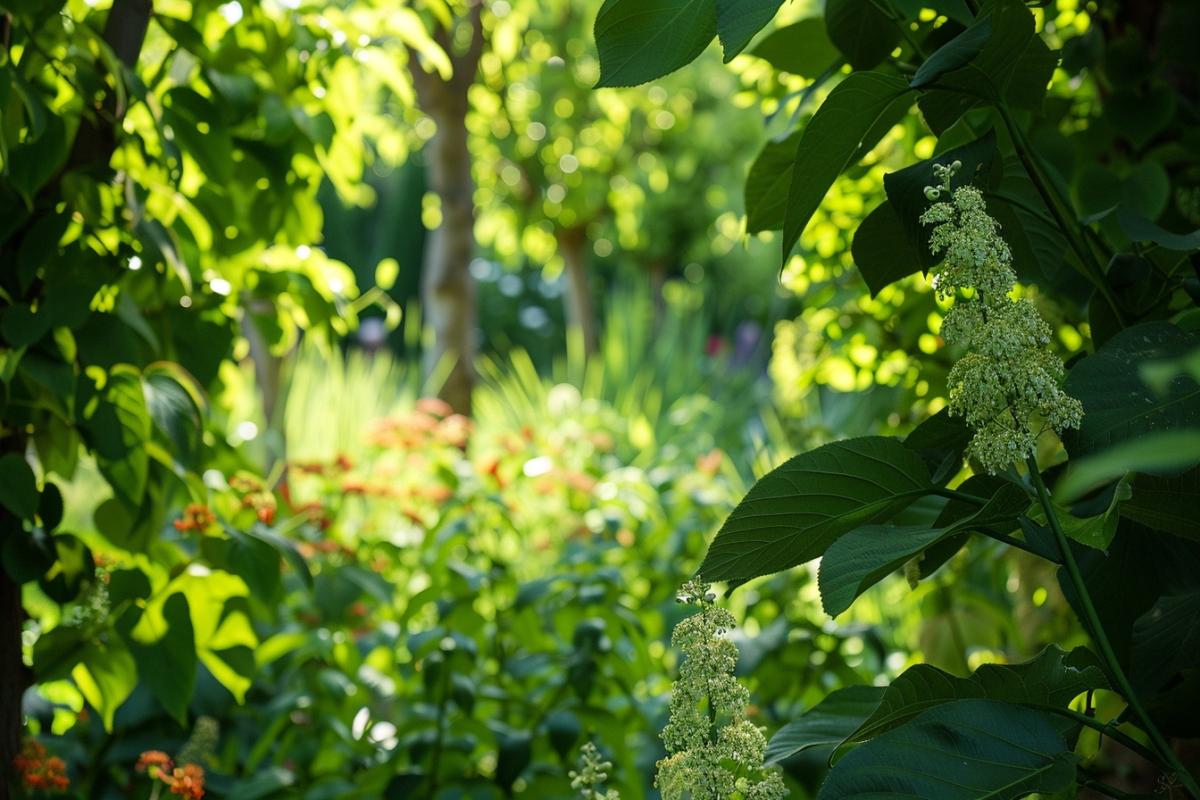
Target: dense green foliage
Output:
[(239, 561), (1068, 192)]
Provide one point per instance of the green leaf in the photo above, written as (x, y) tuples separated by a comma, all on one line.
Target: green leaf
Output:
[(962, 750), (1169, 502), (864, 33), (832, 137), (1140, 229), (826, 724), (106, 676), (18, 486), (1166, 639), (796, 511), (739, 20), (173, 407), (882, 249), (941, 440), (1052, 679), (987, 76), (117, 425), (867, 555), (640, 40), (767, 185), (1164, 451), (1038, 245), (801, 48), (906, 189), (953, 54), (162, 640), (1118, 406)]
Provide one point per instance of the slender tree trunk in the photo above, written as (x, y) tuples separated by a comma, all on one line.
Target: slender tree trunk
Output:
[(95, 142), (14, 676), (447, 289), (577, 299)]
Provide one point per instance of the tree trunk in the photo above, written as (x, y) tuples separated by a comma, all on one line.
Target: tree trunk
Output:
[(447, 289), (95, 142), (577, 299), (14, 676)]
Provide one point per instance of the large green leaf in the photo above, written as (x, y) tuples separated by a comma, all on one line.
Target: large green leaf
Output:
[(866, 555), (1118, 405), (941, 441), (1160, 452), (863, 32), (1166, 639), (882, 249), (1052, 679), (106, 675), (799, 509), (117, 424), (640, 40), (162, 640), (830, 140), (767, 183), (991, 75), (906, 189), (826, 724), (1169, 502), (801, 48), (953, 54), (739, 20), (18, 487), (962, 750)]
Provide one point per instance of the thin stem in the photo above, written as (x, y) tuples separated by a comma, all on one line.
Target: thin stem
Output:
[(1092, 620), (1109, 730), (954, 494), (1092, 269)]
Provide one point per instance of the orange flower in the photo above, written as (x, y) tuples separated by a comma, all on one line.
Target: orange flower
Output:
[(710, 462), (264, 506), (153, 763), (196, 517), (39, 771), (185, 781), (244, 482), (434, 407)]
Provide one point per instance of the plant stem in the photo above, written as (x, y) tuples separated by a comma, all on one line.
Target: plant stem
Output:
[(1092, 620), (1092, 269), (1107, 729)]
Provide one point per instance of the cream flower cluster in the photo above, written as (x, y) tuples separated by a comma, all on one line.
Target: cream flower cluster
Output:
[(593, 772), (715, 752), (1009, 376)]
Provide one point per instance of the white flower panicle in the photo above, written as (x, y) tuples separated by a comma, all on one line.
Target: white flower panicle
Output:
[(592, 773), (715, 752), (1009, 375)]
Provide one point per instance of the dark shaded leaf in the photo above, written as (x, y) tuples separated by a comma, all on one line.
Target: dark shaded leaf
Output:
[(739, 20), (826, 724), (1052, 679), (962, 750), (640, 40), (864, 33), (1118, 405), (801, 48), (836, 132), (799, 509)]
